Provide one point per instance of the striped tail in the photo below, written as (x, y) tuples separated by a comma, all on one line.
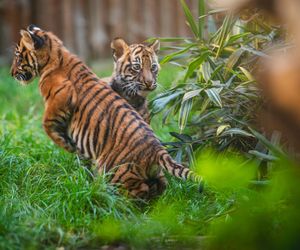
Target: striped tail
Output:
[(175, 169)]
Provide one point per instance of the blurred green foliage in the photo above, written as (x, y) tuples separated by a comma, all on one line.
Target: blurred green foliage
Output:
[(225, 170)]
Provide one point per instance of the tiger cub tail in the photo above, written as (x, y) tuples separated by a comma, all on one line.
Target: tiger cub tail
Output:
[(178, 170)]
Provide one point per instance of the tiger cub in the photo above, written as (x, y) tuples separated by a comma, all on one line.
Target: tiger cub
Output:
[(135, 73), (84, 115)]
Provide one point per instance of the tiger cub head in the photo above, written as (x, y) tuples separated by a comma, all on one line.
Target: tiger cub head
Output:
[(135, 67), (33, 52)]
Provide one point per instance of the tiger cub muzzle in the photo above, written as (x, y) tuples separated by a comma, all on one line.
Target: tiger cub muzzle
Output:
[(25, 67), (23, 77)]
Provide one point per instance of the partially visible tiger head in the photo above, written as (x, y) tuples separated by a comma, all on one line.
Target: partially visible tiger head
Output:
[(135, 67), (33, 52)]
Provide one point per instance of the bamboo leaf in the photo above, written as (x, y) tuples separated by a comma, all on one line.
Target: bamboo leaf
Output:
[(190, 154), (236, 131), (190, 18), (184, 112), (263, 156), (247, 74), (195, 63), (178, 157), (214, 66), (236, 37), (206, 71), (191, 94), (172, 55), (233, 59), (160, 103), (213, 95), (181, 137), (221, 128), (216, 72), (255, 52), (223, 33), (274, 149), (201, 21)]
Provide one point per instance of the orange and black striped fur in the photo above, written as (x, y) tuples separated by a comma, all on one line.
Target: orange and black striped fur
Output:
[(84, 115), (135, 73)]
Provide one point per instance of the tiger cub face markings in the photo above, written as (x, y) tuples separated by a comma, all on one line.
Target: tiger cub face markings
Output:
[(25, 66), (135, 68)]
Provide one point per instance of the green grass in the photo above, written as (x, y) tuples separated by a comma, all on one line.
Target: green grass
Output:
[(48, 199)]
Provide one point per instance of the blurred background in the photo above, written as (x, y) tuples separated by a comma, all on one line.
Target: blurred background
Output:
[(87, 26)]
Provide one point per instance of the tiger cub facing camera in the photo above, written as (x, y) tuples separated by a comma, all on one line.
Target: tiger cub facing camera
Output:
[(135, 73)]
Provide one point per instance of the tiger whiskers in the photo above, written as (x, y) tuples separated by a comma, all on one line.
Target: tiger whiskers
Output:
[(161, 87)]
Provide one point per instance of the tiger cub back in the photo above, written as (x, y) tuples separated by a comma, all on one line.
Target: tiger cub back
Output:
[(135, 73)]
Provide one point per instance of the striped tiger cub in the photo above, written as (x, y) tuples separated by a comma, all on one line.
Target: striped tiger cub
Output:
[(135, 73), (84, 115)]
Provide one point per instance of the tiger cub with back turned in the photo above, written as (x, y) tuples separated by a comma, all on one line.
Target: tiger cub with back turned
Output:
[(84, 115), (135, 73)]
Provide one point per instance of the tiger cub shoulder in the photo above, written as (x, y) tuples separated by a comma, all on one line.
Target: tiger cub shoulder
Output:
[(135, 73)]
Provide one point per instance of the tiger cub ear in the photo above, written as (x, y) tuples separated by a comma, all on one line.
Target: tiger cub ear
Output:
[(155, 46), (119, 47), (31, 41), (32, 28)]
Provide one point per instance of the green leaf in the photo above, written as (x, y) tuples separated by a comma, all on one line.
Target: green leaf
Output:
[(215, 66), (201, 21), (223, 33), (160, 103), (172, 55), (263, 156), (237, 131), (190, 18), (274, 149), (247, 74), (221, 128), (184, 112), (236, 37), (233, 59), (166, 39), (181, 137), (190, 154), (213, 95), (207, 71), (255, 52), (191, 94), (178, 157), (195, 64), (216, 72)]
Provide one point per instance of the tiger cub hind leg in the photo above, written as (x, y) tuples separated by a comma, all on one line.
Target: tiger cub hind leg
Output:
[(131, 180), (157, 185), (156, 181), (138, 183)]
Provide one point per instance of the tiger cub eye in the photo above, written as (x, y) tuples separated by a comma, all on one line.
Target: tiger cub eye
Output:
[(136, 67), (154, 67)]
